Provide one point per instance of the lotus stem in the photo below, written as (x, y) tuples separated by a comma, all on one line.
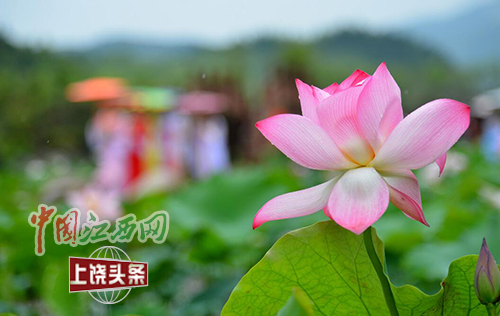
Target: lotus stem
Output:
[(377, 265), (492, 310)]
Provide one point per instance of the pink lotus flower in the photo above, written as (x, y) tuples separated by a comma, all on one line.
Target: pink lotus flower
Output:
[(356, 129)]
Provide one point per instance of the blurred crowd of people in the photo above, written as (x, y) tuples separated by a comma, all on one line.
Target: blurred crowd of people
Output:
[(146, 139)]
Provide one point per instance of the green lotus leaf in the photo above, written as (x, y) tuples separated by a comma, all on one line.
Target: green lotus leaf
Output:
[(330, 268)]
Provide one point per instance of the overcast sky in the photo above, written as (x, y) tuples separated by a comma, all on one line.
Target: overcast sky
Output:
[(74, 23)]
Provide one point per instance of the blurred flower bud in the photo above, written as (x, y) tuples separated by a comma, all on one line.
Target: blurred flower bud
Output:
[(487, 277)]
